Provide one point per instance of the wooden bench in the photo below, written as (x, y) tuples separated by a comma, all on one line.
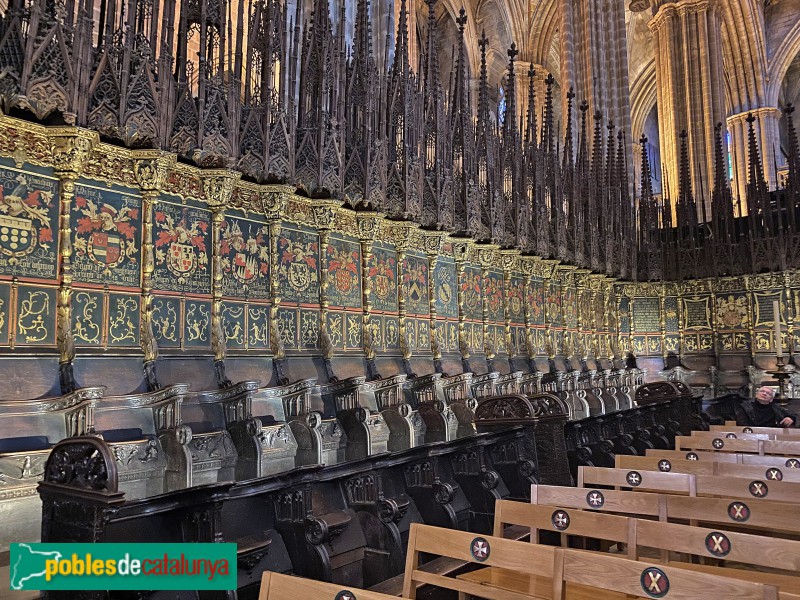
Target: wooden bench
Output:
[(276, 586), (665, 537)]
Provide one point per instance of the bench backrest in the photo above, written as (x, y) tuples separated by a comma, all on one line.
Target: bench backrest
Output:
[(727, 512), (614, 501), (732, 512), (738, 487), (276, 586), (781, 431), (640, 580), (718, 444), (697, 455), (748, 548), (728, 434), (520, 557), (652, 463), (676, 483), (789, 462), (571, 522)]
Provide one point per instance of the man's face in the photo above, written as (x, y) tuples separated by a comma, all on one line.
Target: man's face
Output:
[(765, 395)]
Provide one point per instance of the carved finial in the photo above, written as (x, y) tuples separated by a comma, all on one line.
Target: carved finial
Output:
[(461, 19)]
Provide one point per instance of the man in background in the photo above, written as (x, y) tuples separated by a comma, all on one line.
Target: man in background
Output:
[(763, 412)]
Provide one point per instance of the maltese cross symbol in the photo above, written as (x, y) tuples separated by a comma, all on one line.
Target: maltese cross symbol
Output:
[(692, 456), (595, 499), (634, 478), (345, 595), (664, 466), (560, 520), (480, 549), (717, 443)]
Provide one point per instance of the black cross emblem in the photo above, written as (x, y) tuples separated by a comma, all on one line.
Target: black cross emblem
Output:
[(775, 474), (738, 511), (692, 456), (480, 549), (718, 544), (747, 430), (595, 499), (345, 595), (560, 520), (758, 489), (718, 443), (793, 463), (655, 582), (634, 478), (664, 466), (731, 436)]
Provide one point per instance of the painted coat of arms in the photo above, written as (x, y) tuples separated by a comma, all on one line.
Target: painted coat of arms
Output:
[(494, 295), (731, 312), (180, 244), (298, 268), (471, 288), (343, 267), (105, 236), (536, 303), (24, 220), (515, 299), (383, 279), (415, 278), (244, 248)]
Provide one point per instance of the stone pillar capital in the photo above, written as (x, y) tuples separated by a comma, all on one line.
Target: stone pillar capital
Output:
[(669, 10), (763, 112)]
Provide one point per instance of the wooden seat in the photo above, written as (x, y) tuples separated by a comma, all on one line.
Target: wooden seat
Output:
[(276, 586)]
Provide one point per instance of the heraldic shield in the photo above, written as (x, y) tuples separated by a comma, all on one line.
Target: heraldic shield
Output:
[(105, 248), (181, 259), (17, 236), (245, 268), (382, 286), (299, 276)]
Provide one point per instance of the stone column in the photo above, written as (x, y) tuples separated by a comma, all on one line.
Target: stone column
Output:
[(150, 168), (594, 62), (690, 91), (768, 137), (70, 150)]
